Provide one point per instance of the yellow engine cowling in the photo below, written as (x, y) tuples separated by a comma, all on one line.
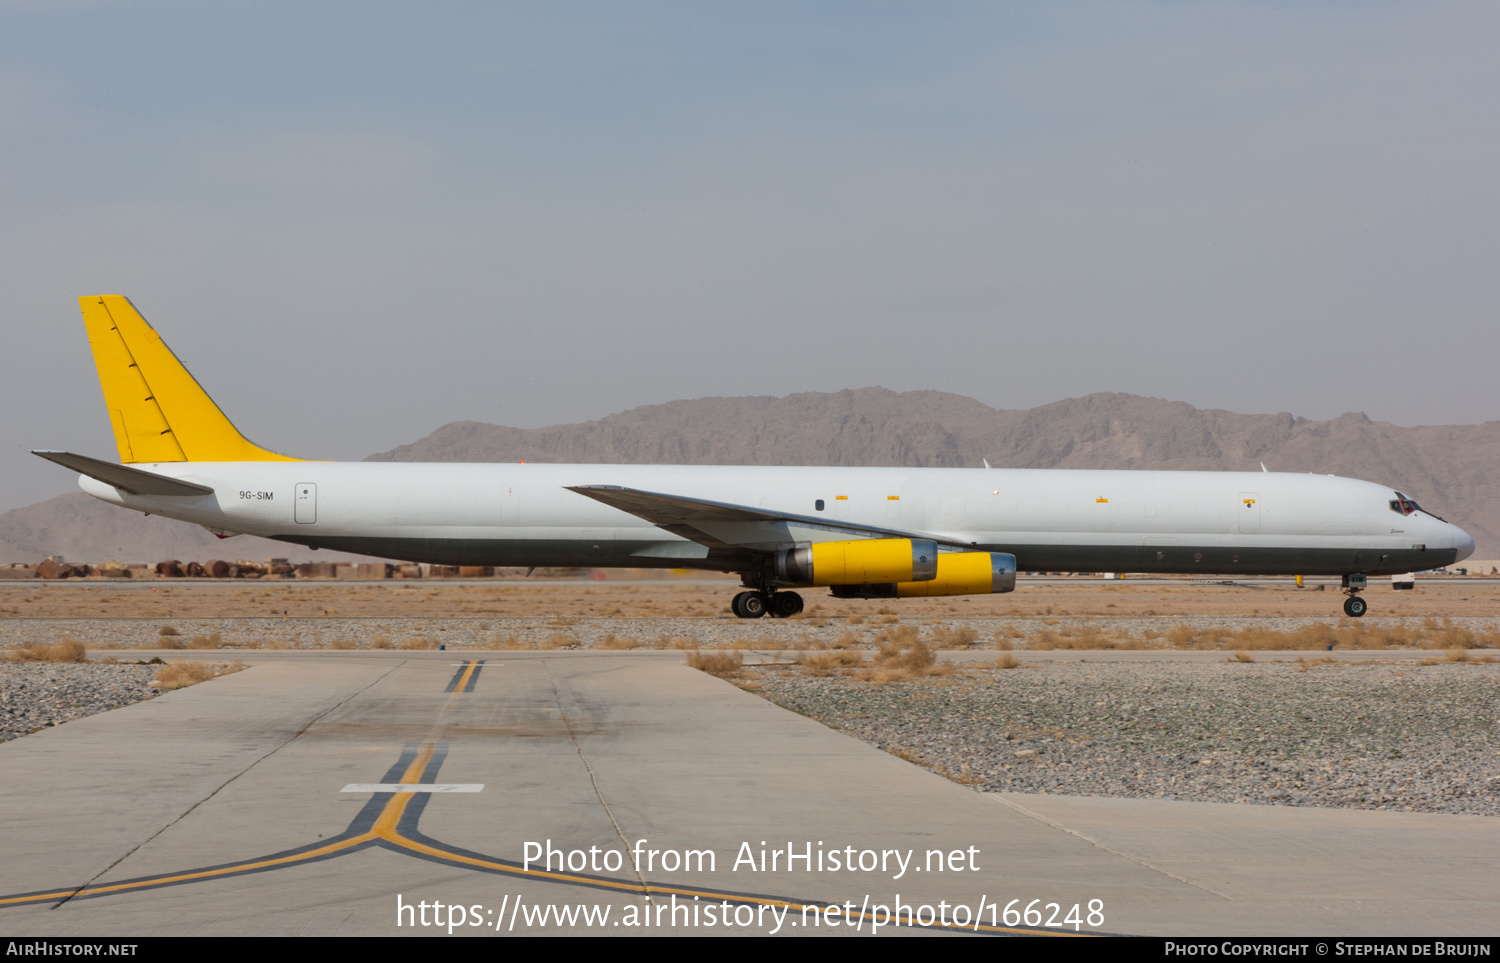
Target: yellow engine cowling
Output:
[(958, 573), (859, 562), (966, 573)]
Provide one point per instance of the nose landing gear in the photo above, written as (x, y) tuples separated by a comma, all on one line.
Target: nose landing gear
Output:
[(1354, 606), (753, 605)]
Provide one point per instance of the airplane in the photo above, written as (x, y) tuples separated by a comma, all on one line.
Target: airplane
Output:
[(859, 532)]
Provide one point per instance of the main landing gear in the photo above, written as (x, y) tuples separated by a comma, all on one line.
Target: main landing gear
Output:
[(752, 605), (1354, 606)]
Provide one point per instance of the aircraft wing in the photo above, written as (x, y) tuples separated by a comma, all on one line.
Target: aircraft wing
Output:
[(126, 479), (734, 529)]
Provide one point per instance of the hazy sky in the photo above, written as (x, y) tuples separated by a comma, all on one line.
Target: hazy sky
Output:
[(355, 222)]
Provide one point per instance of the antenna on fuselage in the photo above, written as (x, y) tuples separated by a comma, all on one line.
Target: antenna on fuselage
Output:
[(986, 462)]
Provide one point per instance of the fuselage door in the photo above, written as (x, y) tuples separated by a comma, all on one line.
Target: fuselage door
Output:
[(306, 502), (1248, 512)]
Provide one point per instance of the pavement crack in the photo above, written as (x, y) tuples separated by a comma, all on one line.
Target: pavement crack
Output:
[(593, 779), (257, 761), (1094, 842)]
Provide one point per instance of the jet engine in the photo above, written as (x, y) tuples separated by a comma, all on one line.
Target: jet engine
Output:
[(958, 573), (859, 562)]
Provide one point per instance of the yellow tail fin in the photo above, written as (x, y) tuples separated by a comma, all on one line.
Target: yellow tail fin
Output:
[(159, 412)]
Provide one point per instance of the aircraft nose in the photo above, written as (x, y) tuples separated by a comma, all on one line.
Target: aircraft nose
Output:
[(1462, 541)]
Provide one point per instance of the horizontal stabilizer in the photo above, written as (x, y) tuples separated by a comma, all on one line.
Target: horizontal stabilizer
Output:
[(130, 480)]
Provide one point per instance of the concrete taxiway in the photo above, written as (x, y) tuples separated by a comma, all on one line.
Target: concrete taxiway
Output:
[(221, 810)]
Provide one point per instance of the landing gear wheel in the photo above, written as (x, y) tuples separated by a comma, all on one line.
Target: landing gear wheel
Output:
[(748, 605), (1354, 606), (753, 605), (784, 605)]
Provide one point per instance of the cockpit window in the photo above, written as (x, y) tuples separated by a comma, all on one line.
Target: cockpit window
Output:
[(1402, 505)]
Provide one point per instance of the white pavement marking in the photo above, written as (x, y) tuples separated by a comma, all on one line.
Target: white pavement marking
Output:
[(413, 787)]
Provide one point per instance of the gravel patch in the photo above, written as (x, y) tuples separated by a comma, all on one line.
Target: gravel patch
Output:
[(1348, 735), (37, 695)]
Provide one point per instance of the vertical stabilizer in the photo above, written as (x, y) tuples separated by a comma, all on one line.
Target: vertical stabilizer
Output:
[(158, 411)]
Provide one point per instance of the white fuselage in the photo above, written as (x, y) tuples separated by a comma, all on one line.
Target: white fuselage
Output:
[(524, 514)]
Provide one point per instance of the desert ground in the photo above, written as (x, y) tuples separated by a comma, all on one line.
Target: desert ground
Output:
[(1199, 690)]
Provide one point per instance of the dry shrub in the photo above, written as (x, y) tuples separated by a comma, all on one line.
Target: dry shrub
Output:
[(1446, 635), (944, 637), (507, 640), (1319, 635), (847, 640), (169, 642), (180, 674), (902, 646), (1242, 657), (853, 619), (612, 641), (1347, 634), (380, 642), (558, 640), (1182, 637), (211, 641), (167, 630), (725, 665), (902, 655), (888, 617), (419, 642), (68, 650), (828, 663), (1084, 637), (1089, 637), (1007, 661), (345, 643)]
